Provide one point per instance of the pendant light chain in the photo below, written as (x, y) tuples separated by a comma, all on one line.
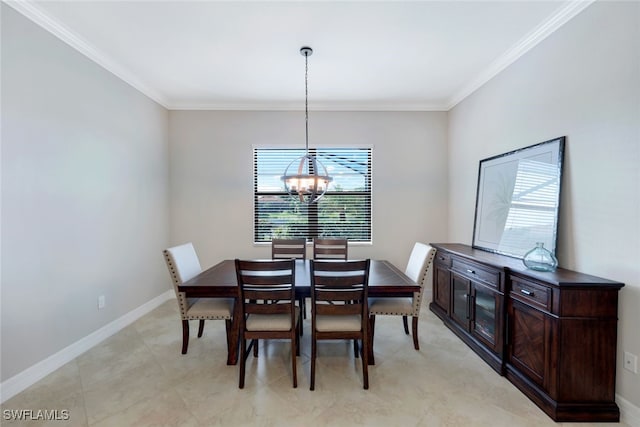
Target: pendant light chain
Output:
[(306, 99)]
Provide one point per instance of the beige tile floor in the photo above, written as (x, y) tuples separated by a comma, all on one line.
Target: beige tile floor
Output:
[(139, 378)]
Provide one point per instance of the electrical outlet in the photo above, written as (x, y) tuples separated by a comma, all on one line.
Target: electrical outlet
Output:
[(631, 362), (101, 302)]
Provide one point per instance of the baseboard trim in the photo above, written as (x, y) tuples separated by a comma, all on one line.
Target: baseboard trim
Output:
[(35, 373), (629, 413)]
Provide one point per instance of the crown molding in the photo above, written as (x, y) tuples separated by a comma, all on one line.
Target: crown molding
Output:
[(549, 26), (298, 106), (42, 19)]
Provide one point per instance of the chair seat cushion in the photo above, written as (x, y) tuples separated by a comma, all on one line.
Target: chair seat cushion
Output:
[(271, 322), (391, 306), (209, 308), (338, 323)]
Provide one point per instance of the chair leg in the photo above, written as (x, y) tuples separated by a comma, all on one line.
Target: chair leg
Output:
[(298, 327), (243, 361), (294, 360), (200, 328), (356, 353), (313, 362), (255, 348), (406, 325), (365, 362), (185, 336), (414, 324)]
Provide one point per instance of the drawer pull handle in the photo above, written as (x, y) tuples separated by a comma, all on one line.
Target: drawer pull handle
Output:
[(441, 258), (470, 271), (526, 292)]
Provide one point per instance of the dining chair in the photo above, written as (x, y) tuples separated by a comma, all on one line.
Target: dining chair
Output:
[(417, 270), (266, 292), (183, 264), (330, 249), (339, 307), (287, 249)]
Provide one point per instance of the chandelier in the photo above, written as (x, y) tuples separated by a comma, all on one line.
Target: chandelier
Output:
[(310, 181)]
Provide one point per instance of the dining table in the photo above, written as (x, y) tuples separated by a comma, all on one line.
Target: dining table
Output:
[(220, 281)]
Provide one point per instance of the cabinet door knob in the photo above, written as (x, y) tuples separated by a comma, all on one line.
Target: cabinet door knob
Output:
[(526, 292), (471, 271)]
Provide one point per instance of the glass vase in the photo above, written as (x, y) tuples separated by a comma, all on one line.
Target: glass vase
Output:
[(540, 259)]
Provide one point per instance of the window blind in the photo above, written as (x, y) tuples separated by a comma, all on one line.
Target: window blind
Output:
[(344, 211)]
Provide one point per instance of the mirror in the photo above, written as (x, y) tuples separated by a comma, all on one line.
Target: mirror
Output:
[(517, 201)]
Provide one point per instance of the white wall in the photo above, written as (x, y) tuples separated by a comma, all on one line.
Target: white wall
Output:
[(84, 195), (212, 187), (583, 82)]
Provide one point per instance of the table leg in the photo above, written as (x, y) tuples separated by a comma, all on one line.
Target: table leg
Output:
[(233, 334)]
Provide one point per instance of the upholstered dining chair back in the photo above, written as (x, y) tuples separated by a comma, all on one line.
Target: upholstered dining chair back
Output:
[(330, 249), (417, 270), (184, 263)]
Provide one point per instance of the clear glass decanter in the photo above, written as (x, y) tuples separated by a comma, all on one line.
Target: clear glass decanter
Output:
[(540, 259)]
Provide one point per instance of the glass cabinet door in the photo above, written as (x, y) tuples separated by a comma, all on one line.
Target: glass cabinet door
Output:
[(460, 303), (442, 288), (485, 307)]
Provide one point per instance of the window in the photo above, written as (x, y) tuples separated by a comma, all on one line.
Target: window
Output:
[(344, 211)]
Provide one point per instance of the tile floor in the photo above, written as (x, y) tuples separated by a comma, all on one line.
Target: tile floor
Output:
[(139, 378)]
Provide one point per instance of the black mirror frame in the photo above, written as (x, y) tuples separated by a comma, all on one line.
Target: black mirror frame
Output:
[(518, 242)]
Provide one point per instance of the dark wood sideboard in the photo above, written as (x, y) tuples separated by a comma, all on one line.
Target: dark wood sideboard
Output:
[(553, 335)]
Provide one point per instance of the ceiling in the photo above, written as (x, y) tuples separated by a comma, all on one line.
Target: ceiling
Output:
[(382, 55)]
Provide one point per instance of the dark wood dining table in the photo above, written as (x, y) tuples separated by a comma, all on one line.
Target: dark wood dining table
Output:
[(219, 281)]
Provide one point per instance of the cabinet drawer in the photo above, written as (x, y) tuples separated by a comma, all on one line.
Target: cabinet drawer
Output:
[(443, 259), (476, 272), (532, 293)]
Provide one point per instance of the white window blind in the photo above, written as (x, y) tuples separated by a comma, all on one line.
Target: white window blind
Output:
[(344, 211)]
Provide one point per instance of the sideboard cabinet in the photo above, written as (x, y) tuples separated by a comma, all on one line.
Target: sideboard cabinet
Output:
[(553, 335), (470, 296)]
